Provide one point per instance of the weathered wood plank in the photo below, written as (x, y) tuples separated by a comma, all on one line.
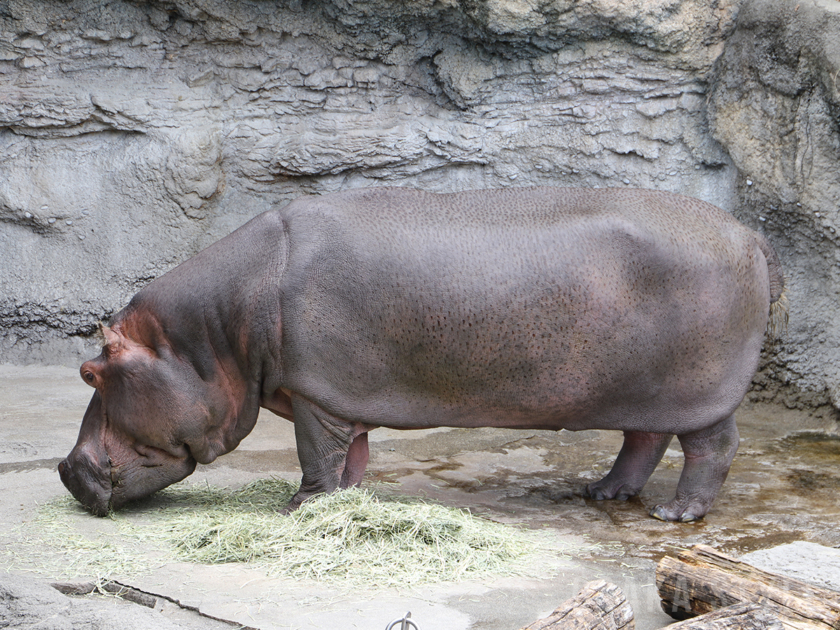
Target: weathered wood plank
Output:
[(598, 606), (743, 616), (702, 579)]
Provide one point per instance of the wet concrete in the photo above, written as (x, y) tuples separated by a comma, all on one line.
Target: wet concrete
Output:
[(782, 488)]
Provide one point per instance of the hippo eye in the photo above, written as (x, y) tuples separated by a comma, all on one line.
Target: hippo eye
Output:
[(89, 377)]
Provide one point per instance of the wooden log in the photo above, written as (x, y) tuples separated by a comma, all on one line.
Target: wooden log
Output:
[(598, 606), (702, 579), (744, 616)]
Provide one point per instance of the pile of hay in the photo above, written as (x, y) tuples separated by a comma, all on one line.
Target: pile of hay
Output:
[(368, 537)]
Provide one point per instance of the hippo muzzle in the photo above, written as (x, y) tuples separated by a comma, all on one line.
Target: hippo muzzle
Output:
[(88, 479), (101, 487)]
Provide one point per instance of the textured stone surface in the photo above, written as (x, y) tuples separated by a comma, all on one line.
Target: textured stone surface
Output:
[(775, 106), (27, 602), (132, 134)]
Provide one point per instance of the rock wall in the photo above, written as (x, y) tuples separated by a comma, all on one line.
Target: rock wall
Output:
[(132, 134), (774, 104)]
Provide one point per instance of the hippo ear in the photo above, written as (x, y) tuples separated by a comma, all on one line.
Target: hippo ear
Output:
[(111, 340)]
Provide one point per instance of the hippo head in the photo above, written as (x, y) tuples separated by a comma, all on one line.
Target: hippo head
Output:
[(150, 420)]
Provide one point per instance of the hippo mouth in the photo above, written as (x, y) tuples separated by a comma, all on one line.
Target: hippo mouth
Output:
[(153, 471)]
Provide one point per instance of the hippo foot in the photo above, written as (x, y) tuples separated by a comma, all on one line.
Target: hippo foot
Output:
[(601, 491), (676, 513), (294, 504), (708, 455), (639, 455), (299, 499)]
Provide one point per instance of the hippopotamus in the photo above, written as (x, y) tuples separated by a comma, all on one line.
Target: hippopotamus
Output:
[(530, 308)]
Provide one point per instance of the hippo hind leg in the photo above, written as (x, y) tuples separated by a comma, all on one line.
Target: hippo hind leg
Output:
[(639, 455), (708, 456)]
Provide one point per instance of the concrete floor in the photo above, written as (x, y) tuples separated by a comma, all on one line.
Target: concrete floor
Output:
[(782, 488)]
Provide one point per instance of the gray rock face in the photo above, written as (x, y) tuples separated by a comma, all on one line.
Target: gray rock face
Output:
[(775, 105), (28, 603), (25, 602), (134, 134)]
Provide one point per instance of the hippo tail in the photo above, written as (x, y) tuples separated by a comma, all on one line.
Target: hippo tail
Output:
[(778, 321)]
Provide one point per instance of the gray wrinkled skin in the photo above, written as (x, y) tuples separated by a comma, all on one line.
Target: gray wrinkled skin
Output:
[(540, 308)]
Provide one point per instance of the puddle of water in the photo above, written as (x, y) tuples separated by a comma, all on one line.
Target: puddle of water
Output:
[(782, 486), (816, 446)]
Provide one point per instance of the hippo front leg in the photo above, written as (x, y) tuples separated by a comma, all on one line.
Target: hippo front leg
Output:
[(639, 456), (708, 456), (332, 452)]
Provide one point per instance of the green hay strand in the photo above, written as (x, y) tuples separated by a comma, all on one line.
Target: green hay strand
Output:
[(65, 541), (356, 537)]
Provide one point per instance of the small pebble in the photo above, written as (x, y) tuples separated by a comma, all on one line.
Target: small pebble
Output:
[(749, 182), (626, 181), (28, 215), (761, 219), (69, 222), (817, 214), (51, 221)]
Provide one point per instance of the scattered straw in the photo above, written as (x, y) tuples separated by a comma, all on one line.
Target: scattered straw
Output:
[(364, 537), (65, 541)]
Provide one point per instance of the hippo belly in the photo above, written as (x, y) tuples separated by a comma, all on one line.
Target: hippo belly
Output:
[(583, 316)]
